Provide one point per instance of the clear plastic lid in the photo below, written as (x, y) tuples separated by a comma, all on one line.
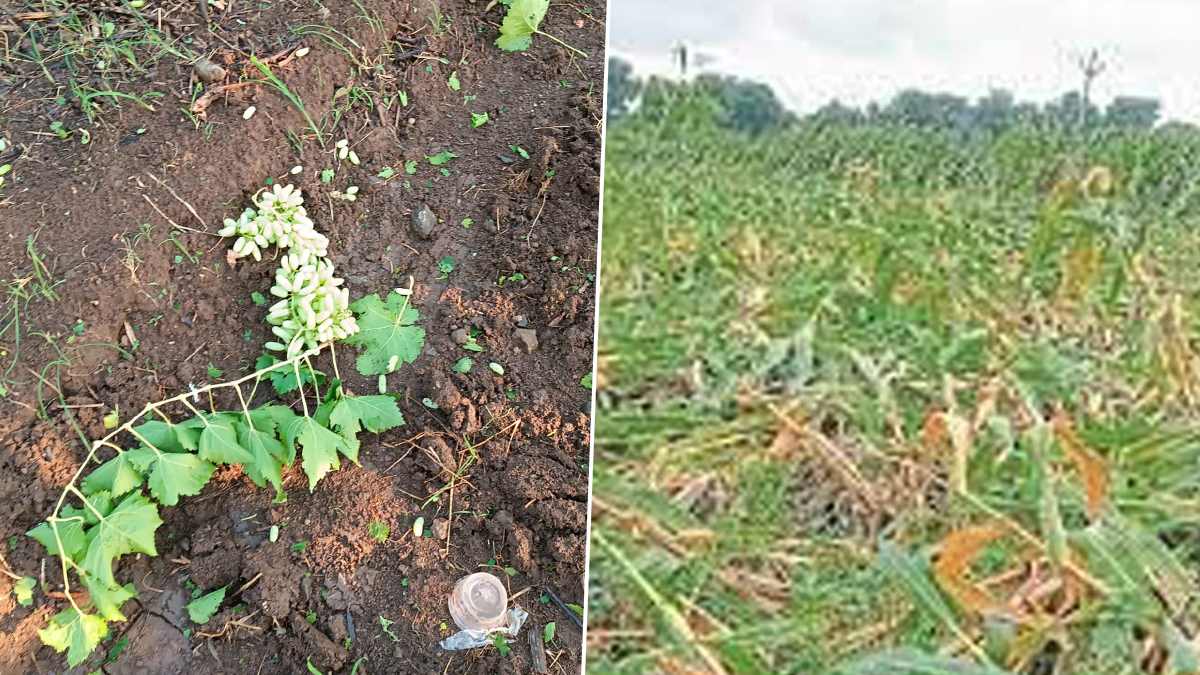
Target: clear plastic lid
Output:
[(479, 602)]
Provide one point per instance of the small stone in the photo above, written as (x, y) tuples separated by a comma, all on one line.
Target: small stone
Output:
[(460, 336), (439, 527), (424, 220), (506, 160), (526, 339), (208, 72), (522, 321)]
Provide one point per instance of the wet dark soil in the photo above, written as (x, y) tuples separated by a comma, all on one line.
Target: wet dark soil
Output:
[(139, 303)]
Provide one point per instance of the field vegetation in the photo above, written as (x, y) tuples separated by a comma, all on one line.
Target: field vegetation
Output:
[(908, 389)]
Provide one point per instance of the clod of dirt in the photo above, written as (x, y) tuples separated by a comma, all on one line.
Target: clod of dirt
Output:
[(208, 72), (526, 339), (424, 220), (154, 646), (438, 528), (459, 336), (328, 655), (337, 628)]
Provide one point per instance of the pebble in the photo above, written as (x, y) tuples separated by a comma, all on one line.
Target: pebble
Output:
[(526, 339), (438, 528), (424, 220), (506, 160), (459, 336), (208, 72)]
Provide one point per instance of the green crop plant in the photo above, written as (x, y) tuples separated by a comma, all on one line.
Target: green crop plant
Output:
[(171, 448), (862, 387)]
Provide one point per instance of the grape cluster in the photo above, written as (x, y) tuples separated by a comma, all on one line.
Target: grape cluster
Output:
[(313, 309)]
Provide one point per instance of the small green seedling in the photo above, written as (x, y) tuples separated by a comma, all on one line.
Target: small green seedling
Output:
[(441, 158), (386, 624), (586, 381), (410, 167), (463, 365), (452, 82), (548, 631), (500, 644), (519, 150), (478, 120), (386, 172), (378, 531), (471, 345), (446, 265), (419, 526), (496, 368)]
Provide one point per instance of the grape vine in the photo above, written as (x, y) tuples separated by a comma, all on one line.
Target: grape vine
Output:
[(172, 448)]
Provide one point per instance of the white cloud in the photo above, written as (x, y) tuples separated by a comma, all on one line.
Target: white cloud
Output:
[(861, 50)]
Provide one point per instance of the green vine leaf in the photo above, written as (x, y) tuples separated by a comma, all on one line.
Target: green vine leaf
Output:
[(69, 531), (116, 476), (175, 474), (285, 421), (128, 529), (284, 379), (108, 599), (320, 447), (520, 23), (267, 453), (202, 608), (386, 330), (23, 590), (352, 414), (219, 442), (170, 437), (77, 634), (100, 505)]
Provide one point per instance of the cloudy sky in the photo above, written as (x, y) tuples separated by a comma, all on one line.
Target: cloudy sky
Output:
[(861, 50)]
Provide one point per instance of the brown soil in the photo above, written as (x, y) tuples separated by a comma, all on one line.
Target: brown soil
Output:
[(521, 505)]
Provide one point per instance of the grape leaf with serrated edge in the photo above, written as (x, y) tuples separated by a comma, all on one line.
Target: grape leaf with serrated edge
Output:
[(23, 590), (128, 529), (284, 379), (219, 442), (385, 332), (108, 599), (175, 474), (284, 419), (351, 414), (69, 531), (77, 634), (320, 446), (520, 23), (161, 435), (116, 476), (267, 451), (202, 608), (100, 503)]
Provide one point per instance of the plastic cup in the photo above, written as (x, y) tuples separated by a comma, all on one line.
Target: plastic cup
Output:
[(479, 602)]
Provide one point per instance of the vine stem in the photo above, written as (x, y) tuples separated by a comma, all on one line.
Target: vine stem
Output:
[(577, 51), (107, 441)]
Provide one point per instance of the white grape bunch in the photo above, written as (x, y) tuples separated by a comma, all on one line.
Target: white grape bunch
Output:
[(313, 308)]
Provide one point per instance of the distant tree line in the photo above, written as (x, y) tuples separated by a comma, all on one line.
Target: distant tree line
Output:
[(752, 107)]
